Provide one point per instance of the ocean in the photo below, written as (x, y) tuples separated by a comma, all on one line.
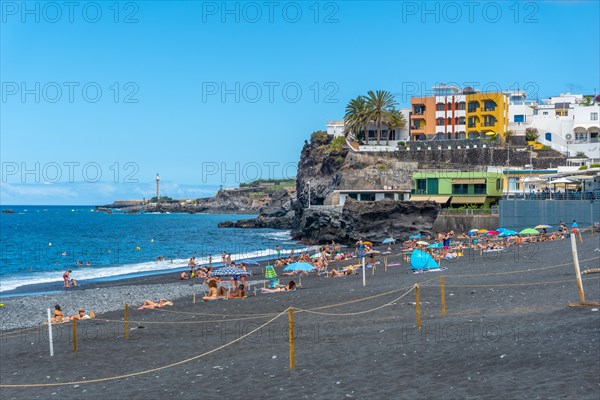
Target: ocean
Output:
[(39, 243)]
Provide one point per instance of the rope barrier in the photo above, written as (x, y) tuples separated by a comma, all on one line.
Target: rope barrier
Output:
[(358, 312), (149, 371), (515, 284)]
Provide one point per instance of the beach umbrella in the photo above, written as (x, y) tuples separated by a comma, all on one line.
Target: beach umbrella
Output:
[(482, 231), (473, 230), (252, 263), (422, 260), (507, 232), (422, 243), (492, 233), (368, 243), (299, 266), (529, 231), (501, 229), (389, 240), (417, 236), (542, 227), (229, 271), (437, 245)]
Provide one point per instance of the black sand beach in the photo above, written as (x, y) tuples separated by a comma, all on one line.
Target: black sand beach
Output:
[(508, 333)]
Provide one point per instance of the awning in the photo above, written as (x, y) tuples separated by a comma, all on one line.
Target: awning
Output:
[(468, 199), (469, 181), (437, 199)]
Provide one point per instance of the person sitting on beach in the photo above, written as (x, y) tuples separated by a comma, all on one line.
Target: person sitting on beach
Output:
[(214, 293), (58, 316), (183, 276), (239, 292), (81, 315), (149, 304), (290, 286)]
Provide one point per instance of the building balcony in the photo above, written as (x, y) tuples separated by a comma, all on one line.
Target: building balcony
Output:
[(489, 123), (418, 112)]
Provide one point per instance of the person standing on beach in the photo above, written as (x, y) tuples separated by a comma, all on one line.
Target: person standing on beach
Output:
[(574, 227), (210, 260), (278, 250), (66, 278)]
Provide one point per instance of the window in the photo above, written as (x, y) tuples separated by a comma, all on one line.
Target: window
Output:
[(367, 197), (499, 185), (389, 196), (353, 196), (461, 105), (449, 121), (479, 188), (513, 184), (461, 120), (440, 121), (473, 105), (460, 188), (581, 135), (545, 113), (421, 186), (594, 116), (439, 107)]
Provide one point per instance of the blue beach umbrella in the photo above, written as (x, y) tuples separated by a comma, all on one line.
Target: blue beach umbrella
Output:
[(501, 229), (420, 260), (507, 232), (253, 263), (229, 271), (417, 236), (389, 240), (299, 266)]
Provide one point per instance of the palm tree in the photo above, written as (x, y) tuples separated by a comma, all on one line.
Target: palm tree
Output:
[(380, 103), (357, 117), (395, 120)]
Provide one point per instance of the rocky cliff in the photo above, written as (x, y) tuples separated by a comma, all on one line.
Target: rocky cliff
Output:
[(373, 220), (277, 213)]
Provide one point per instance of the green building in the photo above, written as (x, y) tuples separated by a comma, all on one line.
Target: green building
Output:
[(458, 188)]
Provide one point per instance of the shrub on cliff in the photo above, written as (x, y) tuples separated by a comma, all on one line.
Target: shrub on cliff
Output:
[(319, 138)]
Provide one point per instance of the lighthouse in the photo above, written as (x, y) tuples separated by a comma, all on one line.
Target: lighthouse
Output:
[(157, 187)]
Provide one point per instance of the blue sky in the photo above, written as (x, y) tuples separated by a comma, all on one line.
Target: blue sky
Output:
[(97, 99)]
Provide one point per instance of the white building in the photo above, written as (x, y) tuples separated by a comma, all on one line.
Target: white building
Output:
[(339, 197), (569, 124)]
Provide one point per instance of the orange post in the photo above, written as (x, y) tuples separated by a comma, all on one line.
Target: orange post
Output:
[(74, 335)]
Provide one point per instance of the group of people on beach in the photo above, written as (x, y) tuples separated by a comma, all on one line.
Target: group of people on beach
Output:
[(59, 317)]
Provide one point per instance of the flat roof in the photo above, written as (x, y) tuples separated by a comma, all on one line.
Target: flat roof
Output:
[(373, 191)]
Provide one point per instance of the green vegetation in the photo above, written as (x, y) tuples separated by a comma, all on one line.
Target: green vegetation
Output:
[(270, 184), (378, 108), (337, 144), (531, 134), (319, 137), (583, 167), (401, 144), (382, 167), (595, 166), (580, 154), (161, 199)]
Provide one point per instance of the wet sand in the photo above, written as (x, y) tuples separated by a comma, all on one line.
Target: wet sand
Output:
[(508, 333)]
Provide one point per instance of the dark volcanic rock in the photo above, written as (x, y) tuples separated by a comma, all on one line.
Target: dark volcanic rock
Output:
[(278, 213), (8, 211), (372, 220)]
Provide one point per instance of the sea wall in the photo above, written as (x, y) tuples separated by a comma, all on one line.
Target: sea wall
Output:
[(529, 213), (464, 223)]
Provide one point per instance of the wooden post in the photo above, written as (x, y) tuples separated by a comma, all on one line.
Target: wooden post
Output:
[(74, 335), (443, 294), (373, 269), (194, 298), (291, 334), (418, 306), (385, 263), (126, 320), (577, 271)]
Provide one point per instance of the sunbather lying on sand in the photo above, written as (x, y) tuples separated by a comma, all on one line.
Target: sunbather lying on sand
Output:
[(349, 270), (290, 286), (150, 304)]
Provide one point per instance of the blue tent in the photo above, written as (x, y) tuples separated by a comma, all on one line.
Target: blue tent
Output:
[(421, 260)]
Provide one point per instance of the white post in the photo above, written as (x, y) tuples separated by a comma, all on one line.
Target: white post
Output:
[(576, 266), (364, 272), (50, 334)]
